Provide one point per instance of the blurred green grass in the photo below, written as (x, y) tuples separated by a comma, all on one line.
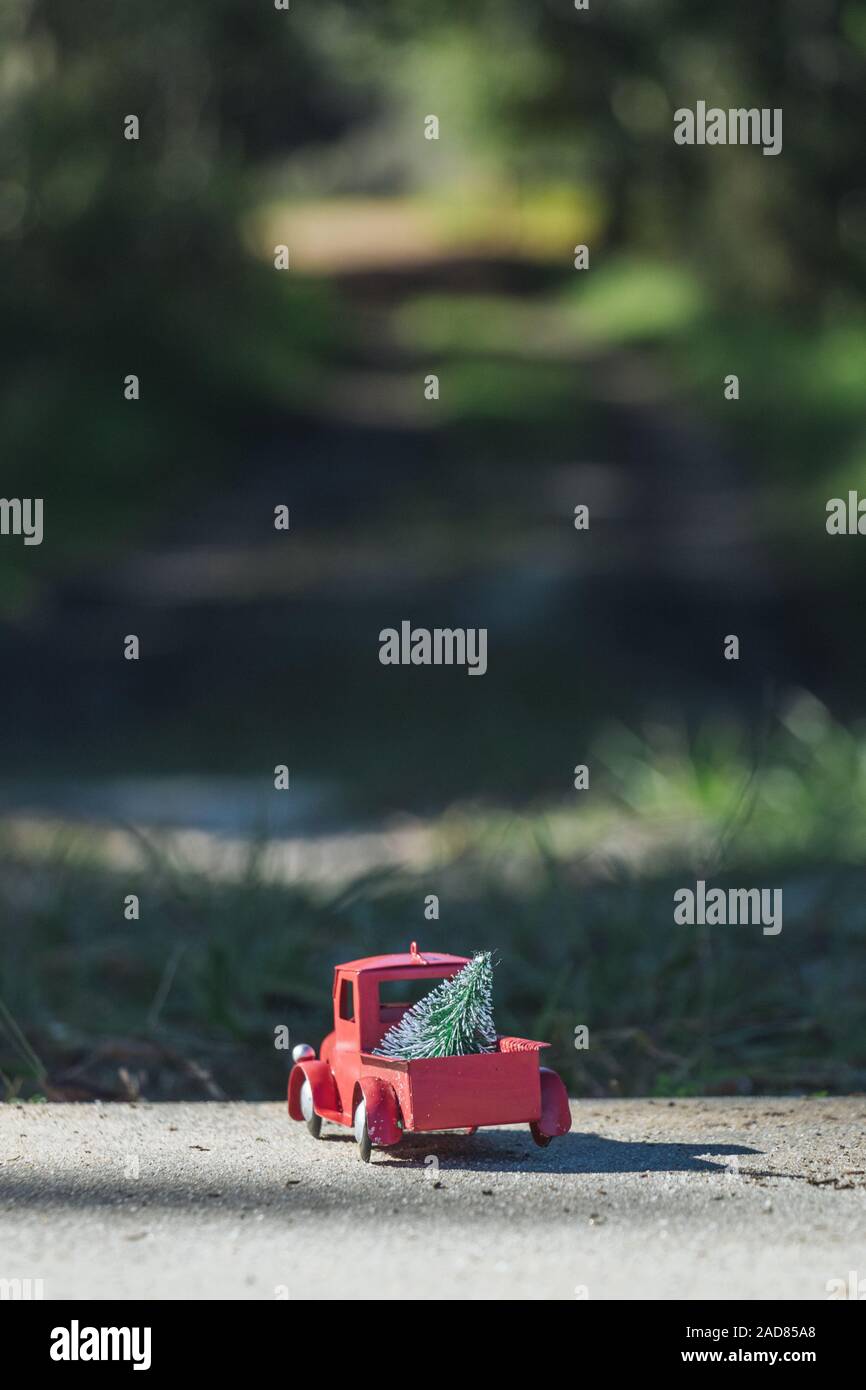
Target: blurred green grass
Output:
[(576, 902)]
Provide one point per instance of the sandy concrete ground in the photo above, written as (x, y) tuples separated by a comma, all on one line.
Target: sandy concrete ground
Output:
[(644, 1199)]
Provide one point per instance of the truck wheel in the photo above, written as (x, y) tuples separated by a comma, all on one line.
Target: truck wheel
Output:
[(314, 1121), (542, 1140), (362, 1133)]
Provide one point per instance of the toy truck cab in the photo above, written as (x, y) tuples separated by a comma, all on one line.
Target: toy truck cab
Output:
[(382, 1098)]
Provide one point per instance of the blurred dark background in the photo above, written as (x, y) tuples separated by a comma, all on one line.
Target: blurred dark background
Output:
[(305, 387)]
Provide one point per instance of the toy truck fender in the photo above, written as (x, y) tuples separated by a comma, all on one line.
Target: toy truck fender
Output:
[(321, 1081), (555, 1116), (383, 1111)]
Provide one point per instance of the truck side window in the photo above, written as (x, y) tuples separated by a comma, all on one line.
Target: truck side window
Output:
[(347, 1001)]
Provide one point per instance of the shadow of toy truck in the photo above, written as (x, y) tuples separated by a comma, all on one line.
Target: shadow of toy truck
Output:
[(383, 1098)]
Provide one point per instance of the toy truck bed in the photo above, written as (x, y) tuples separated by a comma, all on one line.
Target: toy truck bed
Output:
[(485, 1088)]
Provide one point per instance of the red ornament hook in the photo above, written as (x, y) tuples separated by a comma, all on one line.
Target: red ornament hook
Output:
[(417, 958)]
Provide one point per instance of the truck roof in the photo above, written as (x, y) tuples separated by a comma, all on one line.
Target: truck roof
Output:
[(404, 961)]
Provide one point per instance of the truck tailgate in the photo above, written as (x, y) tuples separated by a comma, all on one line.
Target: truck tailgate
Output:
[(486, 1088)]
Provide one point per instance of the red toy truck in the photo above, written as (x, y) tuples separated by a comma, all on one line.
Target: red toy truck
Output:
[(383, 1098)]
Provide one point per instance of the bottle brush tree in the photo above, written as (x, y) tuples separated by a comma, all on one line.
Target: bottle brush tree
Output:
[(455, 1018)]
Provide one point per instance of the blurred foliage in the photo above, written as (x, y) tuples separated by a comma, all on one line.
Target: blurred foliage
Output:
[(123, 256), (578, 905), (127, 254)]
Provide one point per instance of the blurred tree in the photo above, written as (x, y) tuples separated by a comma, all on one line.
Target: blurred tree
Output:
[(123, 256)]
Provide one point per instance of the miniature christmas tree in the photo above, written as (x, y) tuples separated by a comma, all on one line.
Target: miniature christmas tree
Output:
[(453, 1019)]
